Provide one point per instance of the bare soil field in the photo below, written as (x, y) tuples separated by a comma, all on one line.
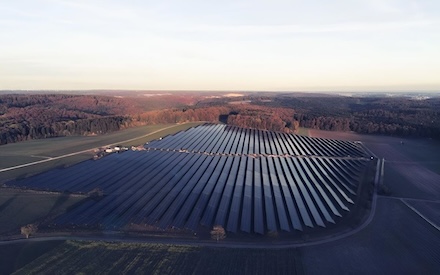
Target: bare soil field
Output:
[(122, 258), (423, 179), (397, 241), (412, 166), (429, 209)]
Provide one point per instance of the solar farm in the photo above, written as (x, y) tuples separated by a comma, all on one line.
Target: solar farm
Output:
[(246, 180)]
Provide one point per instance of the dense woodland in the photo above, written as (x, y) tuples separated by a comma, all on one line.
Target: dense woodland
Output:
[(27, 116), (35, 116)]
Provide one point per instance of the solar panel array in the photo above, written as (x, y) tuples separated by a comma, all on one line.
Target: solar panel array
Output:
[(222, 139), (245, 180)]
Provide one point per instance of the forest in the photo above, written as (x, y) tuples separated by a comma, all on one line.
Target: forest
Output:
[(35, 116)]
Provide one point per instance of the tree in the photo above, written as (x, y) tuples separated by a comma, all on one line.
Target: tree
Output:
[(218, 233), (29, 229)]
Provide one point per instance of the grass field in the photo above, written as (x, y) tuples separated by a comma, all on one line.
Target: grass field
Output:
[(119, 258), (303, 131), (35, 150), (21, 207), (41, 167)]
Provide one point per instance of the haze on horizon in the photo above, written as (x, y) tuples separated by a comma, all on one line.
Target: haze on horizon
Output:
[(226, 45)]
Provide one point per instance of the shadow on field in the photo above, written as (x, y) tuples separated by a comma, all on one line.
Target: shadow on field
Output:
[(7, 203), (60, 201)]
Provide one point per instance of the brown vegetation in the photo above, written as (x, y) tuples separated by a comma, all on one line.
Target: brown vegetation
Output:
[(24, 117), (218, 233), (28, 230)]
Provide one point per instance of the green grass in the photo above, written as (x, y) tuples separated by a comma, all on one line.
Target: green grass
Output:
[(41, 167), (35, 150), (303, 131), (171, 131), (123, 258), (21, 207)]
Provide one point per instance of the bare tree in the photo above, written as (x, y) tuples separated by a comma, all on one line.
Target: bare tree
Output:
[(29, 229), (218, 233)]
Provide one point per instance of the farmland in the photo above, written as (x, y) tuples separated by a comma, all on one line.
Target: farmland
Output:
[(93, 257), (412, 166), (20, 207), (403, 236), (246, 180), (16, 256), (397, 240), (35, 150), (389, 244)]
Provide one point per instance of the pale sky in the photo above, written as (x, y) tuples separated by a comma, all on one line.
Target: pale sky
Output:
[(290, 45)]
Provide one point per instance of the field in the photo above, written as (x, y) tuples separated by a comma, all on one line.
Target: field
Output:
[(389, 244), (402, 238), (21, 207), (404, 235), (16, 256), (36, 150), (245, 180), (412, 166), (303, 132), (92, 258), (397, 241)]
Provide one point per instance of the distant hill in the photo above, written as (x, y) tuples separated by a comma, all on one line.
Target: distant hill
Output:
[(37, 115)]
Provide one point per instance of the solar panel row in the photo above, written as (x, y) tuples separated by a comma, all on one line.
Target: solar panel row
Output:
[(237, 140), (239, 178)]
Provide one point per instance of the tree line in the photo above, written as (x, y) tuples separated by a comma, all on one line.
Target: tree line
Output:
[(24, 117), (36, 116)]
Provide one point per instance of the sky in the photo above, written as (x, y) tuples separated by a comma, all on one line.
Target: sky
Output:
[(277, 45)]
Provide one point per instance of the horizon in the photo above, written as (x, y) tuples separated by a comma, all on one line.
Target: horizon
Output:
[(223, 91), (371, 46)]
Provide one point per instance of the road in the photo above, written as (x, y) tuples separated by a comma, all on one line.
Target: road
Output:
[(83, 151)]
